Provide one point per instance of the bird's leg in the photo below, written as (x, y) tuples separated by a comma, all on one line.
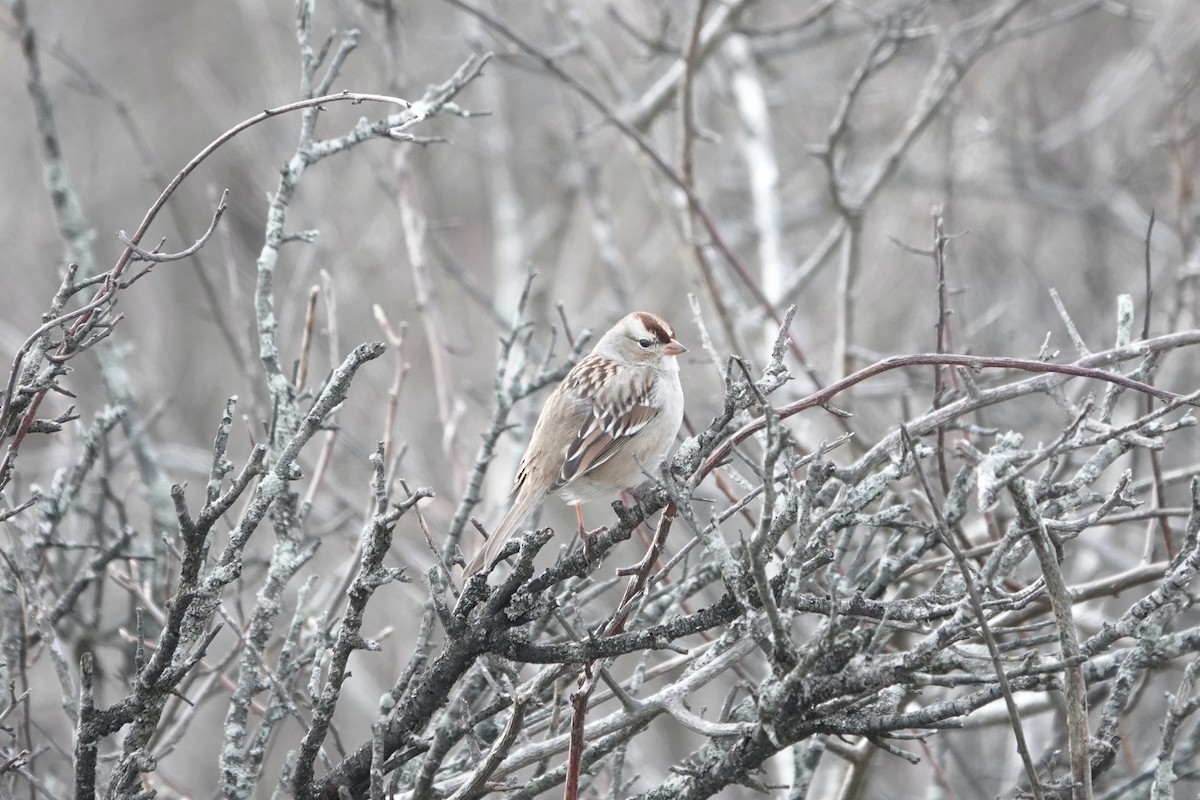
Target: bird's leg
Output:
[(583, 534)]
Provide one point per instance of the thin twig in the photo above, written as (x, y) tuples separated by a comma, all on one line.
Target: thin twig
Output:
[(965, 571)]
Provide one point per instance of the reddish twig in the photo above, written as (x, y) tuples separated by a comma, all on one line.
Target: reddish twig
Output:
[(1078, 370), (310, 318), (627, 130), (615, 626), (687, 165), (579, 704), (1160, 496), (942, 343)]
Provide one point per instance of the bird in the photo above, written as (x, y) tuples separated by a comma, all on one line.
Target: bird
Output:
[(613, 417)]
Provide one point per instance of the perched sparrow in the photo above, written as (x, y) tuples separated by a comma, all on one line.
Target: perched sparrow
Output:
[(614, 416)]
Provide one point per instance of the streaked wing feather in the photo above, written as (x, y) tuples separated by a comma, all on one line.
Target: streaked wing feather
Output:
[(612, 424)]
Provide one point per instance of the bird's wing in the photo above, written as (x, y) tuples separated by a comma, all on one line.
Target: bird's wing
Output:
[(619, 410)]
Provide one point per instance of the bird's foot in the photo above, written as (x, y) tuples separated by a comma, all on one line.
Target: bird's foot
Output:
[(643, 495), (586, 537)]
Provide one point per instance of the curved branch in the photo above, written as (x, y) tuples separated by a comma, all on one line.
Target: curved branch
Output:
[(1079, 369), (145, 255), (111, 283), (313, 102)]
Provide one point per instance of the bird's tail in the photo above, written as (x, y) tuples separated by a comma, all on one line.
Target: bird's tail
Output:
[(516, 514)]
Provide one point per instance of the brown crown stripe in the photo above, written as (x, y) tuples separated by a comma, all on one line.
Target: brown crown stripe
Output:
[(656, 325)]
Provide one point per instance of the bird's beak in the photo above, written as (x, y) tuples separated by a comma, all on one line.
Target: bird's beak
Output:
[(673, 348)]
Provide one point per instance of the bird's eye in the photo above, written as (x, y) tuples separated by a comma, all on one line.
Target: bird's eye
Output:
[(645, 343)]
